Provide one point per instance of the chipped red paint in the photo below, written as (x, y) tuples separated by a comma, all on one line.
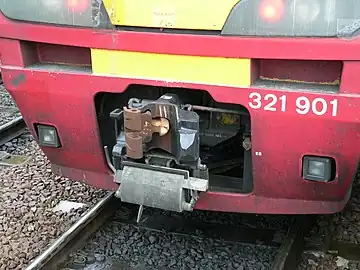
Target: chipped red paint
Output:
[(66, 100)]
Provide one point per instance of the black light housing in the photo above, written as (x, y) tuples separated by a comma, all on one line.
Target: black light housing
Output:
[(48, 136), (318, 169)]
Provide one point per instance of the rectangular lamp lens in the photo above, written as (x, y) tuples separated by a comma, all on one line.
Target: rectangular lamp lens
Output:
[(317, 168), (48, 136)]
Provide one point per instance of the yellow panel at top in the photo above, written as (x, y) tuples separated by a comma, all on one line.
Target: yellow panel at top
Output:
[(172, 68), (177, 14)]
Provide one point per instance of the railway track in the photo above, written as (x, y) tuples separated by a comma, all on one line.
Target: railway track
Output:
[(12, 124), (67, 251), (28, 191), (12, 130), (57, 253), (61, 252)]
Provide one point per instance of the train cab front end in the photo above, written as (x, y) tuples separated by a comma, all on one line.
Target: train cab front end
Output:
[(239, 106)]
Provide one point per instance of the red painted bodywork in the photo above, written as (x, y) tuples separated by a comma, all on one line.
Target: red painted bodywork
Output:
[(66, 99)]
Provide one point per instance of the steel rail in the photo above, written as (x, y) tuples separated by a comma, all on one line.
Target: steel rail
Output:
[(293, 246), (75, 237), (8, 109), (12, 130)]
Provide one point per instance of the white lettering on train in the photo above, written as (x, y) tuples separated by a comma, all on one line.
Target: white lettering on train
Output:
[(303, 105)]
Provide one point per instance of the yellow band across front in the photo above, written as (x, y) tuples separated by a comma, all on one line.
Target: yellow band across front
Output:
[(173, 68)]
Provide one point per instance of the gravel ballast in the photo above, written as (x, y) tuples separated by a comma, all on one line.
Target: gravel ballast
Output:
[(29, 193), (119, 246), (5, 97), (8, 109), (344, 227), (6, 117), (346, 224), (320, 261)]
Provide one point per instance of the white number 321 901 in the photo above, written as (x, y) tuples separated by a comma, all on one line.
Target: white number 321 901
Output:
[(303, 105)]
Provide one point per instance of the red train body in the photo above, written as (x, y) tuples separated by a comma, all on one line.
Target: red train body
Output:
[(303, 100)]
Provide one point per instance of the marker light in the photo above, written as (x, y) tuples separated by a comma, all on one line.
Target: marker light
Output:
[(53, 5), (306, 10), (317, 168), (79, 13), (271, 10), (78, 5), (48, 136), (294, 18)]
